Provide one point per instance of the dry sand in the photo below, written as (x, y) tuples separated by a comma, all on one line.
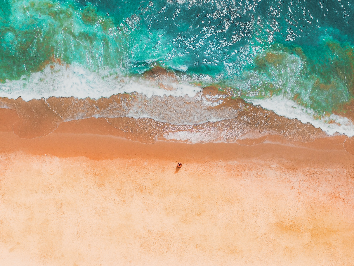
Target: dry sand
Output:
[(82, 195)]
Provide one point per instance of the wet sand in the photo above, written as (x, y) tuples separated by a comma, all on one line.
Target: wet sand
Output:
[(83, 195)]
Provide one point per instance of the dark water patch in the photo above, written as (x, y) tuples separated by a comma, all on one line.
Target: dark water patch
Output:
[(347, 110), (319, 78), (39, 30)]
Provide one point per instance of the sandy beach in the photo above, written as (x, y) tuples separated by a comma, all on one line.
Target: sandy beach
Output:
[(176, 133), (84, 195)]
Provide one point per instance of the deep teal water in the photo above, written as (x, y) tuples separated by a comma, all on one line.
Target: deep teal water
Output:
[(302, 49)]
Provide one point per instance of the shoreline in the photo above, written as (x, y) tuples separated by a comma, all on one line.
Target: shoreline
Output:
[(96, 139)]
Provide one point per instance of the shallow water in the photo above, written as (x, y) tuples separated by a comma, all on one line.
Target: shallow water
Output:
[(292, 57)]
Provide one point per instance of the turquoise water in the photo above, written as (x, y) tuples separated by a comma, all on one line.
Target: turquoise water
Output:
[(300, 49)]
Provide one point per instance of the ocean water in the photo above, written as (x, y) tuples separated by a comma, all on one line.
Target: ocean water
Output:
[(294, 58)]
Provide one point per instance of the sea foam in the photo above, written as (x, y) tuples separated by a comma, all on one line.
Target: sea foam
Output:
[(57, 80), (331, 124)]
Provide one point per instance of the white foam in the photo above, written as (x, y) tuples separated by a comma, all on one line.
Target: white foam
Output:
[(205, 135), (330, 124), (213, 100), (191, 137), (74, 80)]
